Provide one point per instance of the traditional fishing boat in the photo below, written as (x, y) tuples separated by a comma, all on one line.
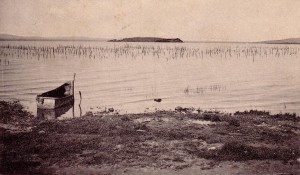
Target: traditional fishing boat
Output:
[(61, 96)]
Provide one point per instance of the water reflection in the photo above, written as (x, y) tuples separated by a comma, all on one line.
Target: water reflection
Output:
[(48, 114)]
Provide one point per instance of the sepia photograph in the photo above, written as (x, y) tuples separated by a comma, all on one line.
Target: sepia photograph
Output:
[(149, 87)]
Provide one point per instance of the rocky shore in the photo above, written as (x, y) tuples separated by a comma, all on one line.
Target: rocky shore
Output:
[(182, 141)]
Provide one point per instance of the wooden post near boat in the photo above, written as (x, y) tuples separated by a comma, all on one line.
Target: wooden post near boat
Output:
[(73, 87), (80, 104), (73, 110)]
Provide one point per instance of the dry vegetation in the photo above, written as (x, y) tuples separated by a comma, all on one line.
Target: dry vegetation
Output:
[(181, 141)]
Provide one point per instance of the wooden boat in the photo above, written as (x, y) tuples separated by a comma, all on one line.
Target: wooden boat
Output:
[(58, 97)]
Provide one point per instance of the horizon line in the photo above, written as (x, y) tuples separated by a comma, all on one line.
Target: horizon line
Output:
[(11, 37)]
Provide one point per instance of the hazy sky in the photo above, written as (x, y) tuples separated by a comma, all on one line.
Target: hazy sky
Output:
[(234, 20)]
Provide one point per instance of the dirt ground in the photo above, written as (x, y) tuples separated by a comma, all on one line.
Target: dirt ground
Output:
[(183, 141)]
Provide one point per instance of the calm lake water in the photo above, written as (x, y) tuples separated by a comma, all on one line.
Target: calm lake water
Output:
[(128, 76)]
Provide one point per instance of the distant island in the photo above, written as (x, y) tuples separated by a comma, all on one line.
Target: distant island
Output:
[(283, 41), (148, 39)]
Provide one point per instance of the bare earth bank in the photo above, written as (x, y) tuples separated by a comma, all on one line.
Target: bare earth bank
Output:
[(164, 142)]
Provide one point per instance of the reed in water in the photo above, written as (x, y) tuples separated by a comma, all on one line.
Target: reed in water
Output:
[(142, 50)]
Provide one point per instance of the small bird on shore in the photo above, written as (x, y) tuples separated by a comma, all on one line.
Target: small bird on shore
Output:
[(157, 99)]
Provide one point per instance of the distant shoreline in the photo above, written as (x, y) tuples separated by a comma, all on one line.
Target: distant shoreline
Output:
[(42, 39), (5, 37)]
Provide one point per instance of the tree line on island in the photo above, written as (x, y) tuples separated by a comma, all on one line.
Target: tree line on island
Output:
[(148, 39)]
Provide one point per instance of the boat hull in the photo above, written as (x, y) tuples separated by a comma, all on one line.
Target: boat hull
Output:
[(52, 103), (56, 98)]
